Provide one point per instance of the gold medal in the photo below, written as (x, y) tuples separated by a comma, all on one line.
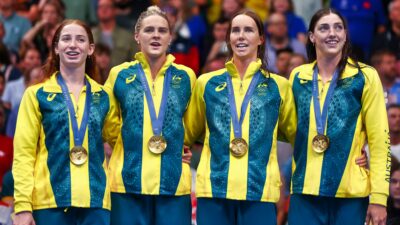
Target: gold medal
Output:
[(157, 144), (238, 147), (320, 143), (78, 155)]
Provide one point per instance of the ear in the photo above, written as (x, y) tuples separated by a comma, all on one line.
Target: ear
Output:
[(56, 50), (136, 37), (91, 49), (262, 40), (311, 36)]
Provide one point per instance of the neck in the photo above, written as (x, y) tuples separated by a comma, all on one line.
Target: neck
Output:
[(396, 203), (395, 138), (279, 42), (327, 66), (156, 64), (73, 76), (242, 64), (387, 82), (107, 25), (396, 29), (7, 13)]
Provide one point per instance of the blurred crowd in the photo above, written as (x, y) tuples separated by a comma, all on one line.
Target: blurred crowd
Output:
[(199, 34)]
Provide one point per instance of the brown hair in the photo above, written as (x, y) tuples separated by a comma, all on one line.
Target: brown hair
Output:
[(261, 48), (53, 61)]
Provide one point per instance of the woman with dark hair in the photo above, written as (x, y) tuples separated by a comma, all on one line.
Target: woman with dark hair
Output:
[(59, 163), (339, 104), (149, 177), (241, 110)]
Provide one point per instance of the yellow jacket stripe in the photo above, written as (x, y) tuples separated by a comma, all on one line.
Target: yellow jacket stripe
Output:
[(357, 112), (255, 176)]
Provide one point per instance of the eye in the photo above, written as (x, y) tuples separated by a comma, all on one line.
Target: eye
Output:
[(323, 27), (339, 27), (235, 30), (148, 29), (163, 30), (65, 38), (248, 29)]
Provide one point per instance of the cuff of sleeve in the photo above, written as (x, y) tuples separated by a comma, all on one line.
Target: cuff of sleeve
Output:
[(22, 206), (380, 199)]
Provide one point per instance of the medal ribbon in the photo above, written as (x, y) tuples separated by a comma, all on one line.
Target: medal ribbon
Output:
[(321, 119), (156, 122), (79, 133), (237, 124)]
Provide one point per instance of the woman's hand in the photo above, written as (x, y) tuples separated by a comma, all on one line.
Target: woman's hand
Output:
[(187, 154), (362, 161), (24, 218)]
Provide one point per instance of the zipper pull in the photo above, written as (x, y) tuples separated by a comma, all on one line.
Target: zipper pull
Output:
[(153, 92), (241, 87)]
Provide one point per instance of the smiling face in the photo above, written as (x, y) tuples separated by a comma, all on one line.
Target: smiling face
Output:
[(154, 36), (244, 37), (329, 36), (73, 46)]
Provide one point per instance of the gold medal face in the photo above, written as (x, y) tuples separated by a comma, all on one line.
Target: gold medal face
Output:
[(157, 144), (320, 143), (78, 155), (238, 147)]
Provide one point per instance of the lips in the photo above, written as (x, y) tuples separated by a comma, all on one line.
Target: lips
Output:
[(155, 44), (72, 53), (241, 45)]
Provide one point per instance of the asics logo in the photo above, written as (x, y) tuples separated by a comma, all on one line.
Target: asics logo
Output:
[(303, 81), (262, 85), (220, 87), (176, 78), (130, 79), (51, 97)]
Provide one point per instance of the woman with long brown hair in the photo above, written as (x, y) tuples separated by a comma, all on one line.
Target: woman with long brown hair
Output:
[(59, 164)]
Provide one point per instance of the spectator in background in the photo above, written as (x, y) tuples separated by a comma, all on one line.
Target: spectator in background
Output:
[(42, 32), (393, 210), (394, 129), (6, 199), (384, 61), (80, 9), (107, 32), (216, 63), (6, 146), (103, 61), (230, 8), (282, 61), (2, 85), (215, 44), (15, 25), (182, 47), (306, 8), (15, 89), (295, 61), (35, 76), (295, 24), (278, 38), (390, 39), (128, 11), (6, 68), (364, 18), (28, 9)]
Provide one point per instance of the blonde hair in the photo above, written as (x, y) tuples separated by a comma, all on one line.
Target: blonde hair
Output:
[(151, 11)]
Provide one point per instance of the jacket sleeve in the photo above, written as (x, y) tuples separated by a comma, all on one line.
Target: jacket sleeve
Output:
[(376, 124), (194, 118), (25, 148)]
